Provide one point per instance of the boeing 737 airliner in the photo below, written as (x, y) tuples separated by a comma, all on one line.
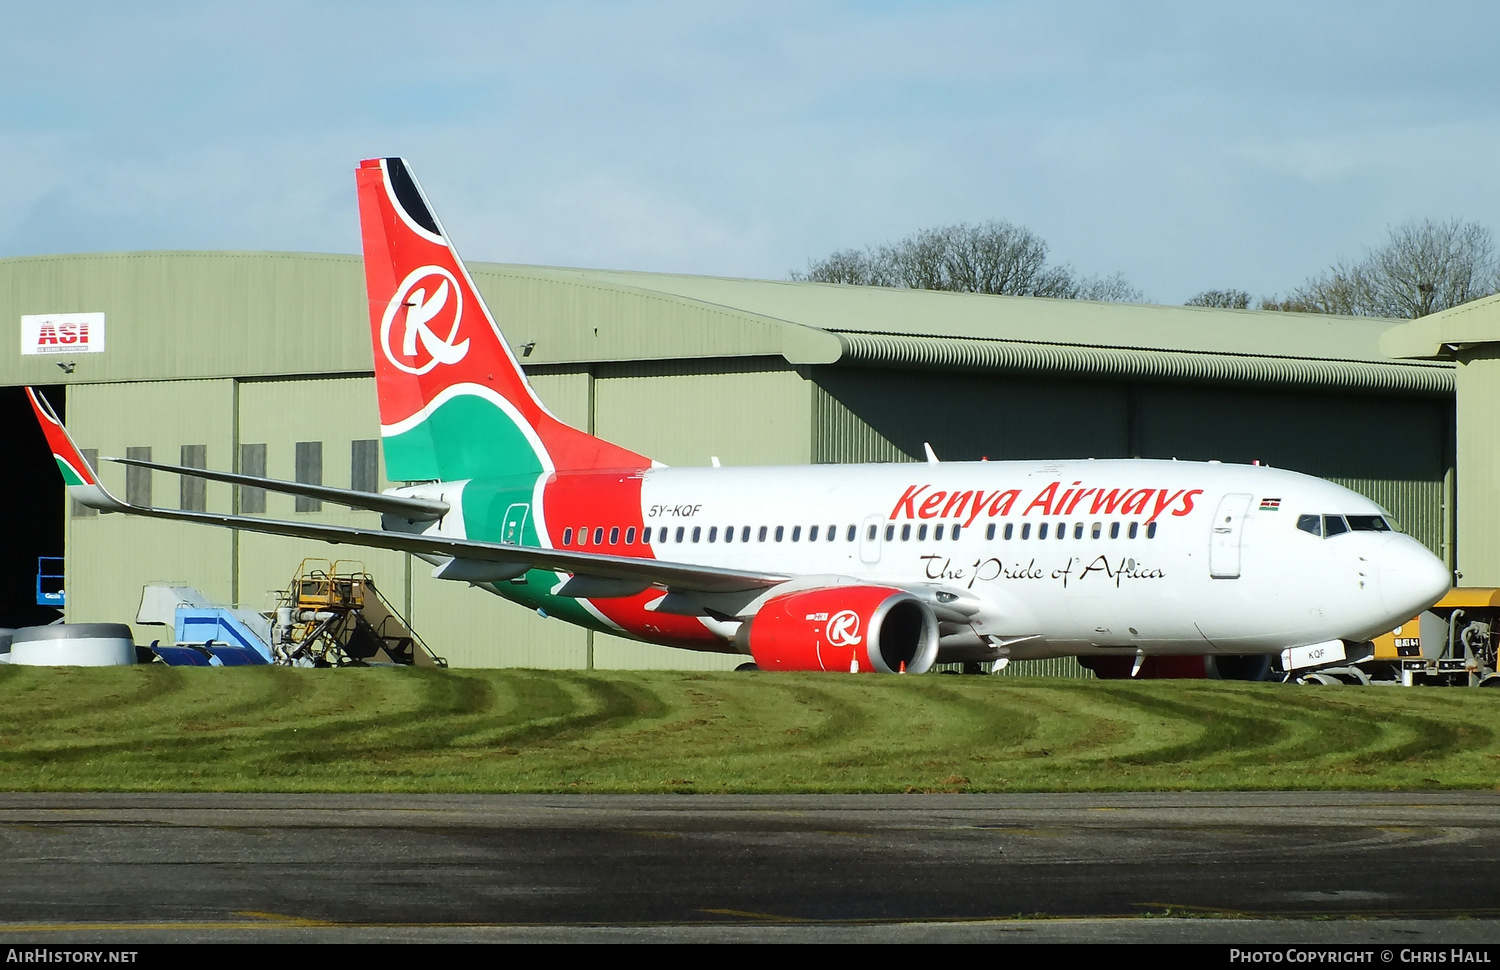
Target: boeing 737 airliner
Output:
[(833, 567)]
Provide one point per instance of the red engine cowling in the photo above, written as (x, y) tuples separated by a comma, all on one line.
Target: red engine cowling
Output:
[(839, 628)]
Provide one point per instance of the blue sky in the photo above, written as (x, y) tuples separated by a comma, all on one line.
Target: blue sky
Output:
[(1184, 145)]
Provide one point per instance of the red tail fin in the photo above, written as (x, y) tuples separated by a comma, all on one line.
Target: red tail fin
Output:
[(454, 402)]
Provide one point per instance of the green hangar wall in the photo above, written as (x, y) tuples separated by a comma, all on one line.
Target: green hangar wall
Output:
[(260, 362), (1468, 336)]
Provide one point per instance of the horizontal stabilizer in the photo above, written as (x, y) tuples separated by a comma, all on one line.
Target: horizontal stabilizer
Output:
[(408, 507)]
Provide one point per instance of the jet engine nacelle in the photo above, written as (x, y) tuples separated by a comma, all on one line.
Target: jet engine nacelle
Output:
[(843, 628)]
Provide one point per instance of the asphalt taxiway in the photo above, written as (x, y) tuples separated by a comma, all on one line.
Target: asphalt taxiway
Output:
[(1242, 867)]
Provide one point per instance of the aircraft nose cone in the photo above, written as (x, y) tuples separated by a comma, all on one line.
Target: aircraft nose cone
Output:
[(1411, 578)]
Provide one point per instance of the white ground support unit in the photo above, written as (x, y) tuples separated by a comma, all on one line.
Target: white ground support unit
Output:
[(73, 645)]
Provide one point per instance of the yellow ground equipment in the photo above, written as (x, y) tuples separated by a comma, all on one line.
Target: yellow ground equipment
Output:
[(333, 615), (1451, 644)]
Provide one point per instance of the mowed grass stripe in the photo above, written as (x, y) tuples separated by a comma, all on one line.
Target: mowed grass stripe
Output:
[(154, 728)]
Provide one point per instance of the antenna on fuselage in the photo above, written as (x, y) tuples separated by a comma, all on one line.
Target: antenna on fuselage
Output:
[(932, 458)]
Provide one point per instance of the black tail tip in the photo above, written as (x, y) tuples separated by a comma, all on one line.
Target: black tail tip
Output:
[(409, 195)]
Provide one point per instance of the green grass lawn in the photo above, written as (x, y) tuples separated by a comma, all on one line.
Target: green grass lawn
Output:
[(156, 728)]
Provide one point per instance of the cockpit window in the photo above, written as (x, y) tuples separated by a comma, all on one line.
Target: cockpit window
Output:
[(1333, 525)]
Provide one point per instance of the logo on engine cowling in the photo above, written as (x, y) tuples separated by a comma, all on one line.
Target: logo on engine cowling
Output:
[(433, 305), (843, 629)]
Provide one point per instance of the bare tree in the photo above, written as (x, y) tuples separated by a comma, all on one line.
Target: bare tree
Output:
[(845, 266), (1223, 299), (1424, 267), (1112, 289), (991, 257)]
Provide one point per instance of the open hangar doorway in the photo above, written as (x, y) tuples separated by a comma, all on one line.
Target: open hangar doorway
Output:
[(34, 502)]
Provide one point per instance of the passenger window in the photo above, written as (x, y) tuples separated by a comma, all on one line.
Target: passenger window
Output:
[(630, 536), (796, 533), (890, 533), (713, 533), (745, 535), (1025, 531), (583, 535), (833, 532), (1041, 531), (1078, 531), (989, 532), (906, 533), (1062, 530), (937, 532), (598, 535), (871, 535), (812, 534), (680, 531), (614, 536), (697, 532), (567, 537), (922, 532), (1097, 530), (852, 533), (1134, 527), (1150, 530), (780, 532), (954, 533), (1311, 524), (729, 534), (1334, 525), (1010, 529), (1114, 530), (761, 535)]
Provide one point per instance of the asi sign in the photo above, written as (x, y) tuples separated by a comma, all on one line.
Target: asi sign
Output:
[(62, 333)]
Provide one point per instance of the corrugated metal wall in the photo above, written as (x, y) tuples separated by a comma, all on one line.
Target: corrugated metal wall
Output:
[(1478, 392), (185, 315), (1049, 667), (748, 412), (1396, 450), (110, 557)]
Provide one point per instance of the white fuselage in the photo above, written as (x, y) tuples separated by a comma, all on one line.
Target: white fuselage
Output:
[(1063, 557)]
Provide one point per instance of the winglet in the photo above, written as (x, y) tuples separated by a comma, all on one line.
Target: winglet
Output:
[(82, 483)]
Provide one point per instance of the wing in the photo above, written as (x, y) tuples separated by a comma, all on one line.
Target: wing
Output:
[(410, 507), (466, 559)]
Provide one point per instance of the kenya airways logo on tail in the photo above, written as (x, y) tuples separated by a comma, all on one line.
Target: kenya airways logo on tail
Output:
[(433, 305)]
